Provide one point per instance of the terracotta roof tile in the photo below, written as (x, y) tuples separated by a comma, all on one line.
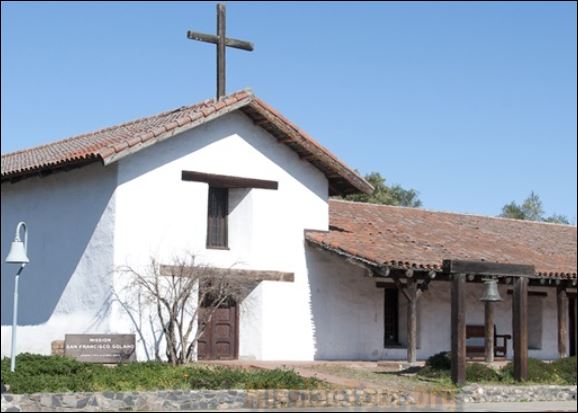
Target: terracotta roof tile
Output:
[(417, 238), (110, 144)]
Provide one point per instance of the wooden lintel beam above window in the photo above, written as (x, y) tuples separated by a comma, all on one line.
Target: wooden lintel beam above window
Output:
[(226, 181)]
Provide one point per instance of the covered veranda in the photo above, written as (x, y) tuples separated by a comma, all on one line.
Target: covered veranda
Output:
[(414, 248)]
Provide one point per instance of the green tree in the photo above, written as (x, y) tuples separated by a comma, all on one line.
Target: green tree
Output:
[(532, 210), (557, 219), (388, 195)]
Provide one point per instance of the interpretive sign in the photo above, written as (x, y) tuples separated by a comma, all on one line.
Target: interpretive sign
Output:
[(100, 348)]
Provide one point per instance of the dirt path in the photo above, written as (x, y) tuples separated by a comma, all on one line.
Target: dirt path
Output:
[(364, 375), (343, 374)]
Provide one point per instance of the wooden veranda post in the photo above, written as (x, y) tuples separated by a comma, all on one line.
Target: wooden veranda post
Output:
[(412, 291), (520, 328), (458, 316), (489, 331), (562, 304), (412, 320)]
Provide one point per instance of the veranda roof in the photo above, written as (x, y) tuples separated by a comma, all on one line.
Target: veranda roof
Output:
[(417, 238)]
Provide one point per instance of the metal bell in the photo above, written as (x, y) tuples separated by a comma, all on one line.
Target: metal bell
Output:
[(491, 293)]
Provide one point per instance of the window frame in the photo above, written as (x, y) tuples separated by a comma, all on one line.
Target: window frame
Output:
[(391, 292), (223, 198)]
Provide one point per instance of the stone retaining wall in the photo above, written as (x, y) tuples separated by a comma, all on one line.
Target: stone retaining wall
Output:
[(213, 400), (489, 393), (268, 399)]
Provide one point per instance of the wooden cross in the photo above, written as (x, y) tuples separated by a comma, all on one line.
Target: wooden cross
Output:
[(221, 41)]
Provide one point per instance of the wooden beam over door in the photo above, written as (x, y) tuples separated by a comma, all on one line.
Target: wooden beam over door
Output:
[(226, 181), (458, 320), (244, 275), (255, 275)]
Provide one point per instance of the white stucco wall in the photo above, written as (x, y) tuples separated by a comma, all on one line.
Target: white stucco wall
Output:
[(87, 222), (66, 288), (160, 215), (348, 314)]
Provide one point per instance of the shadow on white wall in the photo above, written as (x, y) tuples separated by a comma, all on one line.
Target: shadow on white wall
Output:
[(65, 212)]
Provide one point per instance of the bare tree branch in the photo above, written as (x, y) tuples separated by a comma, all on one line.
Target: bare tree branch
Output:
[(182, 296)]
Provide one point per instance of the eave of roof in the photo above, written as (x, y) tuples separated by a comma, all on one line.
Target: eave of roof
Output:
[(114, 143), (383, 236)]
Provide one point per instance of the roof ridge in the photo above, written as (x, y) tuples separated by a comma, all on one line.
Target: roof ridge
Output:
[(118, 141), (432, 211), (122, 124)]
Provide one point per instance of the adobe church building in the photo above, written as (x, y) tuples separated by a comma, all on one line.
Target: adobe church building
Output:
[(337, 280)]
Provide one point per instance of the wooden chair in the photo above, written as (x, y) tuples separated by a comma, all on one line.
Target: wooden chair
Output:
[(478, 331)]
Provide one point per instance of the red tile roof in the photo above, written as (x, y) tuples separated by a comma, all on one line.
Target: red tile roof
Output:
[(417, 238), (110, 144)]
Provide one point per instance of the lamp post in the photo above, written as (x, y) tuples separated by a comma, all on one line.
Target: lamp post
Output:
[(17, 255)]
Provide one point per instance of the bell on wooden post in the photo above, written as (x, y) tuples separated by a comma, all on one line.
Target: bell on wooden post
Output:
[(491, 293)]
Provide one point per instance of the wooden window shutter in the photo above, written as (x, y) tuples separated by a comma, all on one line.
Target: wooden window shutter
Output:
[(218, 210)]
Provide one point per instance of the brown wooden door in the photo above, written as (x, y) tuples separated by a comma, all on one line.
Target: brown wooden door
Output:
[(220, 340)]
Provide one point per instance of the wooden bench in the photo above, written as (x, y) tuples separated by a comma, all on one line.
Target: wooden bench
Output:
[(478, 331)]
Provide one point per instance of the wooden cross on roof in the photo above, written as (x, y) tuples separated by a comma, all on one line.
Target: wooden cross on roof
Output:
[(221, 41)]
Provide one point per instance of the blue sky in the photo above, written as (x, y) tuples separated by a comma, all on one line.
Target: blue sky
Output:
[(471, 104)]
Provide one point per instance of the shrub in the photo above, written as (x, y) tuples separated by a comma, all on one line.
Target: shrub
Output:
[(140, 376), (35, 373), (480, 373), (434, 374), (226, 378), (215, 378), (475, 373), (538, 372), (440, 361), (566, 369), (561, 371), (279, 379)]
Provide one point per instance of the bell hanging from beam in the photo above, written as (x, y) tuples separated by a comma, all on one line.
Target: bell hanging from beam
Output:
[(491, 293)]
